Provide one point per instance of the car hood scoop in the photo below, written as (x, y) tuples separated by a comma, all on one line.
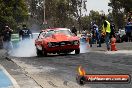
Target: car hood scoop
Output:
[(60, 37)]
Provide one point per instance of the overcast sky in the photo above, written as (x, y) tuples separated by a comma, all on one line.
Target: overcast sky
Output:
[(97, 5)]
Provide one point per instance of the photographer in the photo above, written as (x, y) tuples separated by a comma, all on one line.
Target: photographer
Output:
[(6, 37)]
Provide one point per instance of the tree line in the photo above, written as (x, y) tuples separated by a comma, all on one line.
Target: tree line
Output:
[(12, 12), (59, 13)]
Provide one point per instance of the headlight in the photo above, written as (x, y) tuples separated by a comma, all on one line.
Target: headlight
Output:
[(76, 42)]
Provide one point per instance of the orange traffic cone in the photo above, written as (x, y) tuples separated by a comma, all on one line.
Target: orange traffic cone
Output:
[(113, 44), (87, 40)]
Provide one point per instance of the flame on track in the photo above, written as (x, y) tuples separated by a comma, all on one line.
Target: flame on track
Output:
[(81, 71)]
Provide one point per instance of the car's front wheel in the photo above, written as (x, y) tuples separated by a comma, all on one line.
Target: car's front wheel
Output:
[(39, 52), (77, 51), (44, 52)]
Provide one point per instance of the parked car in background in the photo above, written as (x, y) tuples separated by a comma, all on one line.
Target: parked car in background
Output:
[(121, 36), (118, 38), (57, 40)]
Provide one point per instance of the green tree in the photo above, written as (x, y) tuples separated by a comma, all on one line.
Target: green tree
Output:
[(86, 22), (121, 4), (59, 13), (94, 17), (119, 9), (78, 6), (12, 12)]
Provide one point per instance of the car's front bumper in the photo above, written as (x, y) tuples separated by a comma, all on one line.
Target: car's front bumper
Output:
[(59, 49)]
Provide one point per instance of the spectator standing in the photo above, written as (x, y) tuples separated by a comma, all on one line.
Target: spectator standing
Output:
[(6, 36), (95, 36), (112, 27), (25, 33), (128, 30), (106, 32), (74, 30)]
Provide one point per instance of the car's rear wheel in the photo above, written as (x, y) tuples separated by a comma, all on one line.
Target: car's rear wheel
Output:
[(77, 51)]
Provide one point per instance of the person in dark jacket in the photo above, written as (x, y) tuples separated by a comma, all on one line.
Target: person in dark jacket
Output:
[(128, 29), (25, 33), (112, 27), (74, 30), (96, 36), (6, 36)]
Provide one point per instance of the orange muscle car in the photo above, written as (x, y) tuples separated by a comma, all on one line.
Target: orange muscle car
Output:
[(57, 40)]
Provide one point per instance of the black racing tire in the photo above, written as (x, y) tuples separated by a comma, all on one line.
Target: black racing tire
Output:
[(44, 52), (39, 52), (77, 51), (81, 80)]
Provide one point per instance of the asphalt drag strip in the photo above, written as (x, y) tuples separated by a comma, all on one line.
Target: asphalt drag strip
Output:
[(47, 76), (60, 71)]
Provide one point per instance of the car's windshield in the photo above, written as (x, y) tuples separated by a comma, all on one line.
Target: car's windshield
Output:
[(51, 32), (66, 32)]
